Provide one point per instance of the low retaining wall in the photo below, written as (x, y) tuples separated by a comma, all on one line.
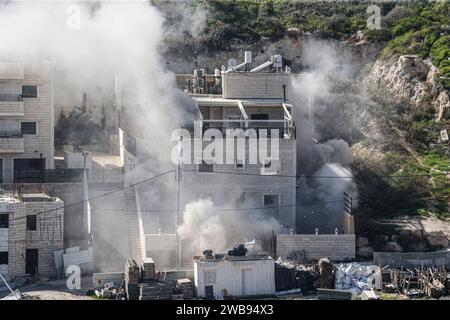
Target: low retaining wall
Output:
[(412, 259), (338, 247)]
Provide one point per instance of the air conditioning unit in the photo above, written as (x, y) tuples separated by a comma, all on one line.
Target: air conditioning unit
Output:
[(277, 61), (199, 73)]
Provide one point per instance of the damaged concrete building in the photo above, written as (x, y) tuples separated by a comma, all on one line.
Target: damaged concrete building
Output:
[(31, 229)]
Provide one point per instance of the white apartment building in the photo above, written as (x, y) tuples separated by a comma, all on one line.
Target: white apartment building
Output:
[(26, 118), (251, 99)]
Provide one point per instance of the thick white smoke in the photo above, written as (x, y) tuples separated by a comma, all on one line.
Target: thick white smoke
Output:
[(205, 226), (321, 153)]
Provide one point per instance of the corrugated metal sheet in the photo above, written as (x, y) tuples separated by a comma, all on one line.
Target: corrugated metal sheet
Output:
[(77, 258)]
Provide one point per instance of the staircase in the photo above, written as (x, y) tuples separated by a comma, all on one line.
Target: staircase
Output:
[(133, 224)]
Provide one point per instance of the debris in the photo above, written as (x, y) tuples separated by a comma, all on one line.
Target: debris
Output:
[(357, 277), (185, 287), (369, 295), (332, 294), (326, 275), (156, 290), (238, 250)]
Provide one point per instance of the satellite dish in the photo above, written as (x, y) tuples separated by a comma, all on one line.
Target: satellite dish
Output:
[(231, 63)]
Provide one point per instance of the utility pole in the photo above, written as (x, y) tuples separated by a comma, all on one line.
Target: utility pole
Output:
[(178, 178)]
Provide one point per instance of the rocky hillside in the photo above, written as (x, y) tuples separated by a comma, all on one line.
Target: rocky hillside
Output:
[(387, 96)]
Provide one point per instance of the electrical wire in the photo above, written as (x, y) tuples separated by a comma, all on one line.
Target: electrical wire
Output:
[(97, 197)]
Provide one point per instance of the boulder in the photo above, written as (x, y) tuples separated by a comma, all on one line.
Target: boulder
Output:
[(393, 246), (362, 242), (365, 252), (437, 239)]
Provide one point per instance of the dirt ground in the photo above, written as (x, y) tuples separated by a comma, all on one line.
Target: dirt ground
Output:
[(54, 290)]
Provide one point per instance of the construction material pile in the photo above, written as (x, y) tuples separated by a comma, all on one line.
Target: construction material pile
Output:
[(326, 275), (132, 279), (185, 287), (356, 277), (416, 282), (141, 282), (289, 276), (111, 290), (156, 290), (148, 270)]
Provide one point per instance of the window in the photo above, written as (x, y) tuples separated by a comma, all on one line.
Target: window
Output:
[(239, 164), (28, 127), (4, 220), (4, 257), (31, 222), (29, 91), (209, 277), (204, 167), (271, 201)]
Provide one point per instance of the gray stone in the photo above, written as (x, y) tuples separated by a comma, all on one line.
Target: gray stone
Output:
[(392, 246)]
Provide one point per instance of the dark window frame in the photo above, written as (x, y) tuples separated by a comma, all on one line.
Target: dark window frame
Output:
[(25, 130), (4, 257), (3, 224), (29, 94), (31, 222)]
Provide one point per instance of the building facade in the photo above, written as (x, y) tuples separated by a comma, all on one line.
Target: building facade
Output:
[(31, 229), (26, 118), (253, 105)]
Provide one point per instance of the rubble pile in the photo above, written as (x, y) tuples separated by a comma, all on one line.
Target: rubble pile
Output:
[(326, 275), (111, 290), (356, 277), (289, 276)]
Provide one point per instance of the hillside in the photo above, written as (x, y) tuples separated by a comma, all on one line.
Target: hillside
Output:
[(384, 92)]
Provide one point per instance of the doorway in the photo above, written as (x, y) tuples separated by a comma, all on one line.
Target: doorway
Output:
[(32, 262)]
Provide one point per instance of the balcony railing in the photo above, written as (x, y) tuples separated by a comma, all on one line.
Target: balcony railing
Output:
[(285, 128), (11, 134), (10, 97)]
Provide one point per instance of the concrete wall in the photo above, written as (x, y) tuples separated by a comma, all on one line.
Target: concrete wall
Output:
[(240, 85), (334, 247), (17, 239), (246, 187), (237, 277), (49, 234), (411, 259)]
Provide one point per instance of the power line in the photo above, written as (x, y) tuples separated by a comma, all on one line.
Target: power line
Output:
[(99, 196), (321, 177), (231, 209)]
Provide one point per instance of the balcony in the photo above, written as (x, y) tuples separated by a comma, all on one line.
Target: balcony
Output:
[(11, 105), (285, 128), (11, 142)]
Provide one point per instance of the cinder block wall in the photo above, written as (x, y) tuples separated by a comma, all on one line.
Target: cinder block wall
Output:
[(49, 234), (17, 239), (411, 259), (240, 85), (334, 247)]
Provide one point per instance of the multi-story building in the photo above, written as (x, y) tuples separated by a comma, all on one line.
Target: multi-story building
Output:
[(254, 99), (26, 118), (31, 229)]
